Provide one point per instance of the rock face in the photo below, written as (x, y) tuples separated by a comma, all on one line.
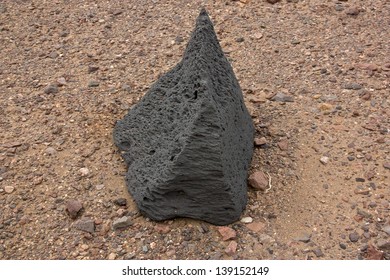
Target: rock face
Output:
[(188, 143)]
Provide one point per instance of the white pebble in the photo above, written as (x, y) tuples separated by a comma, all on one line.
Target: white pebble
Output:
[(246, 220)]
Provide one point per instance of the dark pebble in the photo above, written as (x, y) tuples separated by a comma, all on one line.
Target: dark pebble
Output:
[(120, 201), (318, 252), (343, 246), (351, 158), (360, 180), (354, 86), (92, 68), (93, 84), (354, 236), (52, 88)]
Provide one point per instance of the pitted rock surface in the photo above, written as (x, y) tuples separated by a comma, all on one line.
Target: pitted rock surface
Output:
[(188, 143)]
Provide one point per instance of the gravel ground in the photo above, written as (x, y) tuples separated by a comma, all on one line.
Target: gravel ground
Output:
[(315, 77)]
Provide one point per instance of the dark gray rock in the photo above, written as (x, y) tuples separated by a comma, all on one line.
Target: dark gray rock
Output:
[(354, 237), (188, 143), (85, 224), (52, 88), (281, 97), (353, 86)]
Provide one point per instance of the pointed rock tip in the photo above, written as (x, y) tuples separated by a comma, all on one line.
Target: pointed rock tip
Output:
[(203, 12)]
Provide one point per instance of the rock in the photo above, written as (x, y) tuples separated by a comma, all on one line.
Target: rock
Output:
[(121, 223), (352, 11), (354, 237), (386, 229), (361, 180), (188, 143), (324, 160), (305, 238), (85, 224), (227, 233), (92, 68), (231, 248), (161, 228), (258, 181), (93, 84), (246, 220), (343, 246), (386, 165), (367, 66), (260, 141), (121, 201), (61, 81), (84, 171), (265, 239), (52, 88), (373, 253), (73, 207), (256, 226), (325, 107), (111, 256), (318, 252), (9, 189), (281, 97), (353, 86), (272, 1), (50, 151), (283, 145), (383, 244), (100, 187)]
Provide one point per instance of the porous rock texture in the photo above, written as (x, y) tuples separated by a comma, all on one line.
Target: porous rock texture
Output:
[(188, 143)]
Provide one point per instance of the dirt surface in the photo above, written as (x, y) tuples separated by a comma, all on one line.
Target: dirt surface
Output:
[(315, 76)]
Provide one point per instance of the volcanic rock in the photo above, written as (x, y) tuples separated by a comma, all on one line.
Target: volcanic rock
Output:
[(188, 143)]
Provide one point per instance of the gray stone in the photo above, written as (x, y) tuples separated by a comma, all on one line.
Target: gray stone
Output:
[(123, 222), (85, 224), (353, 86), (383, 244), (93, 84), (188, 143), (52, 88), (387, 229), (281, 97), (354, 236), (73, 208), (305, 238)]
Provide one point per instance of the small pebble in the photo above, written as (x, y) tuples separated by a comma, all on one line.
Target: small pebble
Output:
[(353, 86), (324, 160), (343, 246), (50, 151), (247, 220), (73, 207), (84, 171), (92, 68), (85, 224), (93, 84), (354, 236), (112, 256), (99, 187), (52, 88), (9, 189), (121, 201), (318, 252), (387, 229), (231, 248), (121, 223)]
